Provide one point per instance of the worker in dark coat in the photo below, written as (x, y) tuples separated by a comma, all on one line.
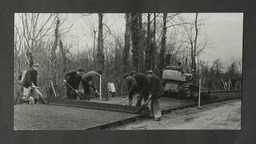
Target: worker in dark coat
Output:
[(87, 82), (156, 91), (143, 86), (73, 80), (131, 86), (29, 83)]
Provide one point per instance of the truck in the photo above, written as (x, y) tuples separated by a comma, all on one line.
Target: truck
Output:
[(178, 84)]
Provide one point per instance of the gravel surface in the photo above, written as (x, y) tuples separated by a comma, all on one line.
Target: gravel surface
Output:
[(48, 117), (222, 116)]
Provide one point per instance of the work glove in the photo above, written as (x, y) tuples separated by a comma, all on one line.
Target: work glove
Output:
[(76, 91), (65, 81)]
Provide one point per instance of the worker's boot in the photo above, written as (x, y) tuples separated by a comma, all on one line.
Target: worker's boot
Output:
[(157, 119)]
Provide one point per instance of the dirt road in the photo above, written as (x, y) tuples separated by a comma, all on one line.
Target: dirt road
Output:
[(49, 117), (222, 116)]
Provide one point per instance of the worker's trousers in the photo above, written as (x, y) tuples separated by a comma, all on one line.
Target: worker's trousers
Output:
[(142, 95), (27, 92), (132, 92), (154, 108)]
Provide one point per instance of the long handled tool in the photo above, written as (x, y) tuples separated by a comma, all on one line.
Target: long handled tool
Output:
[(75, 91), (134, 99), (98, 94), (144, 105), (123, 100), (101, 98), (39, 93), (53, 89)]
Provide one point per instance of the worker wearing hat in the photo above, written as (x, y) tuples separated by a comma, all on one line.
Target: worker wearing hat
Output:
[(156, 91), (72, 80), (143, 84), (29, 84), (87, 82), (131, 86)]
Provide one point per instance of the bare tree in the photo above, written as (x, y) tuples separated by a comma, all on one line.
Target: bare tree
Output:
[(135, 40), (34, 29), (153, 46), (163, 45), (148, 48), (127, 39), (141, 62), (191, 33), (53, 53), (100, 54)]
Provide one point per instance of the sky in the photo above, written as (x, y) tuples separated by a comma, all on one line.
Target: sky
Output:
[(224, 31)]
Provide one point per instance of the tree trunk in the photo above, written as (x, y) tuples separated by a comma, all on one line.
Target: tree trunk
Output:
[(29, 57), (53, 54), (65, 65), (127, 40), (194, 51), (163, 46), (141, 46), (100, 53), (153, 48), (135, 40), (148, 49)]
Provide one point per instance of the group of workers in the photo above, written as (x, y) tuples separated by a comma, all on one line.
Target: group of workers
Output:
[(147, 86), (72, 79)]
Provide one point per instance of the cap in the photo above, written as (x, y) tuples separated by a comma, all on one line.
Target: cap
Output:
[(132, 73), (36, 65), (125, 75), (149, 71), (80, 70)]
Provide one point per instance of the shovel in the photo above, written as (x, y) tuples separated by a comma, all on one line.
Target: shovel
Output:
[(104, 99), (144, 105), (39, 93), (123, 100), (75, 91), (134, 99)]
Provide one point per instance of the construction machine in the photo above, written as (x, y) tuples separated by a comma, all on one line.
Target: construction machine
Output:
[(178, 84)]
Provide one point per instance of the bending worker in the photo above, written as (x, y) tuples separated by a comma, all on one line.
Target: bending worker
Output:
[(131, 86), (156, 92), (143, 84), (87, 82), (29, 84), (73, 79)]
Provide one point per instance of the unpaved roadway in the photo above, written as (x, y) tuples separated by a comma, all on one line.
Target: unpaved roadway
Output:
[(49, 117), (222, 116)]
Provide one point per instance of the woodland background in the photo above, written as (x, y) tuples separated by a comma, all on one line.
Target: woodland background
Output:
[(150, 41)]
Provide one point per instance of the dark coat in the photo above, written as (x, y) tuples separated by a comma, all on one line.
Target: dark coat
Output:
[(143, 82), (90, 76), (156, 86), (31, 76), (73, 79), (131, 83)]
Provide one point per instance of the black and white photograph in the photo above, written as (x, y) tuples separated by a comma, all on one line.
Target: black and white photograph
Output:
[(128, 71)]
